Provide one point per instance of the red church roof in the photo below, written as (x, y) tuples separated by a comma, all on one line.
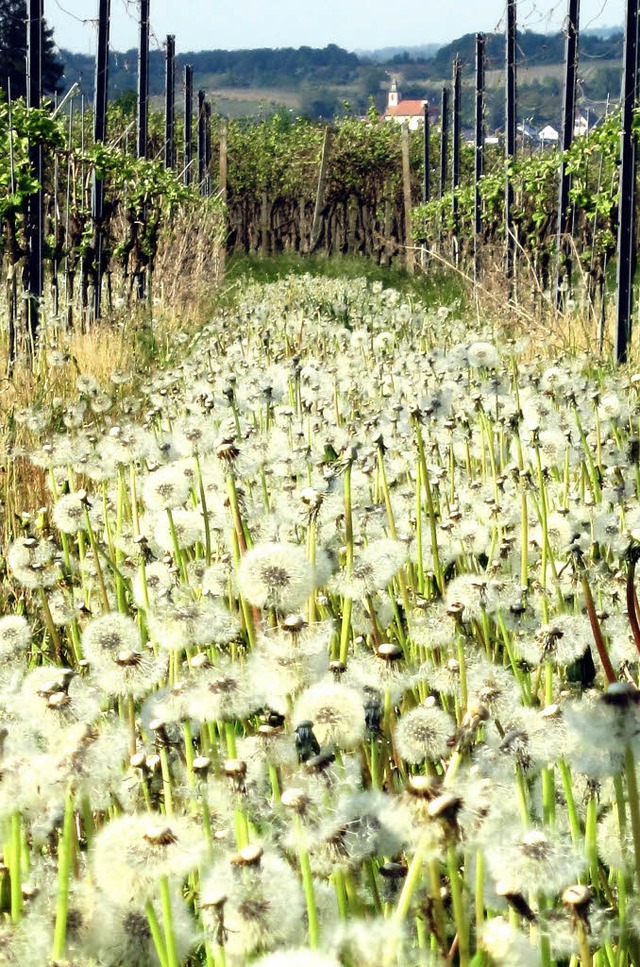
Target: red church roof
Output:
[(406, 109)]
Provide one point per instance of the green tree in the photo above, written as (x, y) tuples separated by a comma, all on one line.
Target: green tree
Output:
[(13, 51)]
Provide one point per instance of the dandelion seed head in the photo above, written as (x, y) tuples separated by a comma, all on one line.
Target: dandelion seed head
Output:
[(33, 562), (506, 945), (257, 917), (374, 567), (276, 575), (15, 636), (130, 853), (167, 487), (336, 711), (423, 734)]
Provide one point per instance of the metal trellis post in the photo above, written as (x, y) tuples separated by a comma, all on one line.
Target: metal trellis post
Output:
[(99, 136), (568, 123), (627, 193), (479, 149), (510, 132), (170, 102), (188, 123)]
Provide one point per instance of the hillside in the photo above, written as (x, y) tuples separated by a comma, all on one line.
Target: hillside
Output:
[(318, 82)]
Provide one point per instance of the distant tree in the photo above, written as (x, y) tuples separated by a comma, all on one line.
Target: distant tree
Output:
[(13, 51)]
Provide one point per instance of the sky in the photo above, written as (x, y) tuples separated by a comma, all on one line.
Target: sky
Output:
[(353, 24)]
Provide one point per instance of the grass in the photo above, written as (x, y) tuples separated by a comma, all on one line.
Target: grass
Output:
[(442, 286)]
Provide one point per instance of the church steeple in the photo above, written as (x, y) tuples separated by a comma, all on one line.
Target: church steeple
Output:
[(394, 95)]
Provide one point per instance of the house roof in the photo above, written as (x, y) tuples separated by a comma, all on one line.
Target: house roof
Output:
[(406, 109)]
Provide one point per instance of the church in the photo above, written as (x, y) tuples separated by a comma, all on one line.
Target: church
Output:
[(403, 111)]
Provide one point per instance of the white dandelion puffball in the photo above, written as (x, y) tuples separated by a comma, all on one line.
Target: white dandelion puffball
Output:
[(276, 575)]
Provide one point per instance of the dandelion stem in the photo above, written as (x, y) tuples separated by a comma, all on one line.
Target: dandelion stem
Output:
[(433, 525), (479, 890), (459, 907), (548, 797), (634, 805), (131, 718), (632, 601), (402, 581), (166, 779), (590, 837), (307, 883), (232, 493), (177, 550), (345, 629), (156, 934), (15, 870), (586, 959), (66, 853), (167, 921), (205, 513), (603, 654), (96, 561), (51, 628), (412, 879), (230, 737), (572, 812), (341, 894), (521, 783)]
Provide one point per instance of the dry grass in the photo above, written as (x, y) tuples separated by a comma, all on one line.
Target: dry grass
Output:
[(519, 307), (135, 340)]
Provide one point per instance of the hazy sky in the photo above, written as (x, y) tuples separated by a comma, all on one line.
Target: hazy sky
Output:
[(354, 24)]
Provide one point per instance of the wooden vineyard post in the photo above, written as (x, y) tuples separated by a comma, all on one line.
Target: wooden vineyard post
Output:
[(265, 224), (188, 124), (316, 224), (224, 177), (568, 122), (510, 138), (202, 143), (426, 180), (207, 147), (627, 192), (99, 136), (170, 101), (35, 219), (224, 169), (479, 152), (406, 191)]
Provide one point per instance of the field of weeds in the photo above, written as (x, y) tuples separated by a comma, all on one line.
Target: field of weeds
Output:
[(320, 647)]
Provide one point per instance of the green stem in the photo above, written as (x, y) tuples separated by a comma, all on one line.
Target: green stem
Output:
[(205, 514), (156, 934), (307, 883), (572, 812), (51, 628), (634, 806), (167, 922), (66, 853), (459, 909), (16, 867), (433, 524)]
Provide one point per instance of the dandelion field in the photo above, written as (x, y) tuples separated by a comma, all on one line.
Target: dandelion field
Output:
[(324, 651)]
